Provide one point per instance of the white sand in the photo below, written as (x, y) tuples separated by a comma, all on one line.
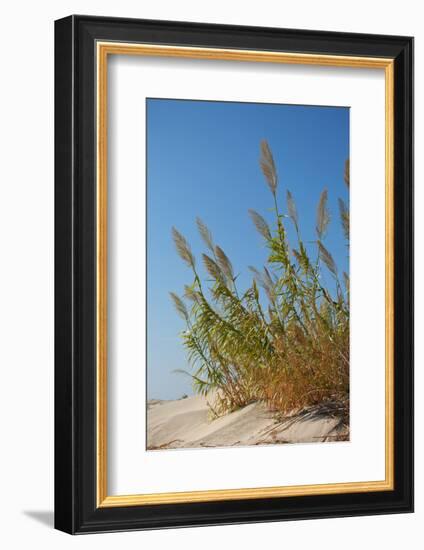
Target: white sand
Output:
[(187, 423)]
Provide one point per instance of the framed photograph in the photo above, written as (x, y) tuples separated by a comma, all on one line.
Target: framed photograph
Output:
[(234, 274)]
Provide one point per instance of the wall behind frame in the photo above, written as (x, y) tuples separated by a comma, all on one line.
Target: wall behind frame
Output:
[(26, 274)]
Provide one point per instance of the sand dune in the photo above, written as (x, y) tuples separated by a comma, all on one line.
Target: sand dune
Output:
[(187, 423)]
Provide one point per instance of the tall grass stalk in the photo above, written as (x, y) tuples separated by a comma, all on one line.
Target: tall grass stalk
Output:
[(284, 340)]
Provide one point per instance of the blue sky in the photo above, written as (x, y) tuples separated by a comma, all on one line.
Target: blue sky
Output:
[(203, 160)]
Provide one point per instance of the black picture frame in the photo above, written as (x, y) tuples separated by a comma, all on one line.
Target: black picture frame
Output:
[(76, 510)]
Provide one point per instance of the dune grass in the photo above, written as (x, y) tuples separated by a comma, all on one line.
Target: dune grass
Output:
[(284, 340)]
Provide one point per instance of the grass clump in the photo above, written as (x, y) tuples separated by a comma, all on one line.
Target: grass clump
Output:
[(284, 340)]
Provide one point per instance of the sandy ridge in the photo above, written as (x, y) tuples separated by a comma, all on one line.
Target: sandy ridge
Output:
[(187, 423)]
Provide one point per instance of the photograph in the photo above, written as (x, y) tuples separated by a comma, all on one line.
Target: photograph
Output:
[(247, 317), (233, 267)]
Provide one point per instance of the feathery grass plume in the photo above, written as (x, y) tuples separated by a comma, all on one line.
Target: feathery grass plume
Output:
[(260, 224), (205, 234), (346, 281), (258, 278), (291, 207), (183, 248), (179, 306), (268, 166), (327, 258), (212, 268), (269, 285), (268, 278), (323, 215), (347, 172), (192, 294), (344, 217), (265, 281), (224, 263)]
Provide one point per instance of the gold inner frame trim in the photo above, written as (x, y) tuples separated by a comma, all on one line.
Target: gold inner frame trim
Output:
[(103, 50)]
